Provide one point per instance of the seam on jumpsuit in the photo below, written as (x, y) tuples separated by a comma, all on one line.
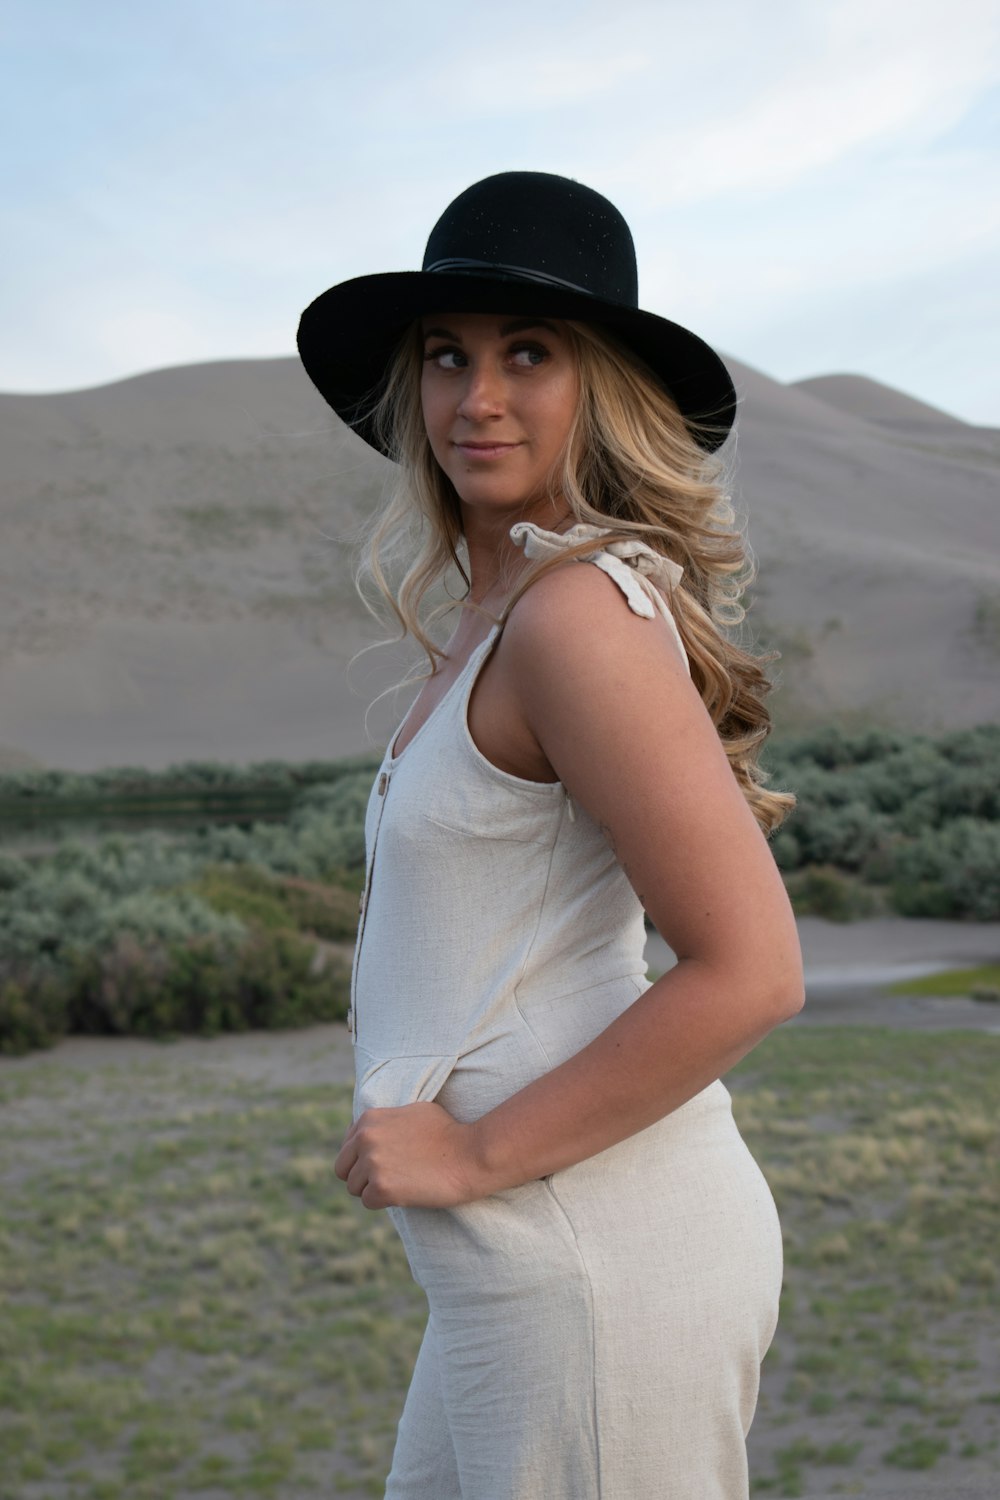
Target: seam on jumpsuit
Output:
[(595, 1422), (534, 936), (548, 1180)]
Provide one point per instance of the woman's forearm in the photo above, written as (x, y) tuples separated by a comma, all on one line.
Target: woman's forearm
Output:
[(684, 1032), (679, 1036)]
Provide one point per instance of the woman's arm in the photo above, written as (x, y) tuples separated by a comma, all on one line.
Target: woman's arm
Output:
[(609, 702)]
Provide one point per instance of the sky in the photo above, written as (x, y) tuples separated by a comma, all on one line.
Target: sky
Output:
[(813, 185)]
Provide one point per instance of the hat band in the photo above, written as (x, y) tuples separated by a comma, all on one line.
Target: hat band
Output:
[(489, 267)]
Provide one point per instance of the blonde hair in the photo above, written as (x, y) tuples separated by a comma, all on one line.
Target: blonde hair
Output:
[(631, 466)]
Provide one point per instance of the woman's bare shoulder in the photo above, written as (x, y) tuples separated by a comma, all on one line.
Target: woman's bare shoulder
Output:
[(607, 697), (575, 610)]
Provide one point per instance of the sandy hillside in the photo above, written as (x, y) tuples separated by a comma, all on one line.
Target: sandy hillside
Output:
[(175, 578), (859, 396)]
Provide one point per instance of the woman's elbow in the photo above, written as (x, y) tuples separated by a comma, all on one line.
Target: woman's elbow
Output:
[(784, 995), (789, 1000), (778, 991)]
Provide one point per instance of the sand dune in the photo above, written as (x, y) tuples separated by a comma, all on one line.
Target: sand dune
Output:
[(859, 396), (175, 564)]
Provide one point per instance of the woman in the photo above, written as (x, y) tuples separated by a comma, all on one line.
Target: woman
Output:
[(547, 1129)]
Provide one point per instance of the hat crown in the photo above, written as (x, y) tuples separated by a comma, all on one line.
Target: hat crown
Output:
[(537, 226)]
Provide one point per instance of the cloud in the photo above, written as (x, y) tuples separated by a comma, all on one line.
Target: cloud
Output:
[(872, 74)]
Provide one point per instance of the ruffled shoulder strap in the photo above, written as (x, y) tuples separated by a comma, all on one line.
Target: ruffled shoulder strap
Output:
[(643, 575)]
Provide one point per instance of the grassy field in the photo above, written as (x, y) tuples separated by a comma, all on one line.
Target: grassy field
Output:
[(191, 1305)]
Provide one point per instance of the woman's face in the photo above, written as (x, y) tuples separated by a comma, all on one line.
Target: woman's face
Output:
[(499, 393)]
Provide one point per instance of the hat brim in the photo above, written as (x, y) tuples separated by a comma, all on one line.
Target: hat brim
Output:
[(348, 335)]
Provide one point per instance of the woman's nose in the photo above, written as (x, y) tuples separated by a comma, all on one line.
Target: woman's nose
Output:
[(482, 396)]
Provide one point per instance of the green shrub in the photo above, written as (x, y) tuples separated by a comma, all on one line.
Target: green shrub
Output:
[(187, 779), (848, 836), (786, 848), (288, 981), (13, 870), (204, 986), (33, 1012), (921, 898), (323, 837), (952, 871), (149, 933), (55, 911), (831, 748), (822, 891), (873, 803), (262, 900), (246, 892)]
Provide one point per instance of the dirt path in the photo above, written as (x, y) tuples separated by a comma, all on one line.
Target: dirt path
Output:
[(312, 1055)]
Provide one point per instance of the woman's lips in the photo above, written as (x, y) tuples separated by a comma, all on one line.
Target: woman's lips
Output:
[(485, 450)]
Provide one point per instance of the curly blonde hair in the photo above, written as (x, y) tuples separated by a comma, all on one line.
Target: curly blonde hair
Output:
[(631, 466)]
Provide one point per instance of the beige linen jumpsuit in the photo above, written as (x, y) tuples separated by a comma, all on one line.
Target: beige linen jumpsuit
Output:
[(596, 1335)]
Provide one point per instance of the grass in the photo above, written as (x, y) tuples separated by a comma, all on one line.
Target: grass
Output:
[(880, 1148), (191, 1304), (961, 982), (190, 1301)]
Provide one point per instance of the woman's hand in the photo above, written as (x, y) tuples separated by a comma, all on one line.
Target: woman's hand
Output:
[(411, 1156)]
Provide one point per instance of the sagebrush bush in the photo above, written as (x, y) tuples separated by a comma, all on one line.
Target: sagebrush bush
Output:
[(916, 815), (55, 910), (952, 871), (323, 836), (201, 985), (33, 1011), (204, 986), (273, 902), (823, 891), (151, 933), (847, 836), (187, 778), (13, 870)]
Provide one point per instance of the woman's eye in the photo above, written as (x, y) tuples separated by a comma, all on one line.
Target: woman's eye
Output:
[(445, 359), (524, 356), (529, 354)]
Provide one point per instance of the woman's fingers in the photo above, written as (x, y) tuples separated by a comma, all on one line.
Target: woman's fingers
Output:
[(352, 1164), (357, 1179), (346, 1156), (411, 1155), (355, 1162), (354, 1172)]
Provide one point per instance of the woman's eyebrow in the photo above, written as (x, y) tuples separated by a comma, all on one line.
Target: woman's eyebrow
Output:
[(519, 325)]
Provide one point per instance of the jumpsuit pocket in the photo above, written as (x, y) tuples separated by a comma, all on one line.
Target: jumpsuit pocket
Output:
[(385, 1082)]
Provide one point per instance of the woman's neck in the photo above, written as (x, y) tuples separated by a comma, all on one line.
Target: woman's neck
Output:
[(494, 560)]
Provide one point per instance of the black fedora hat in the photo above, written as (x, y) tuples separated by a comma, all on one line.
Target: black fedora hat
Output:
[(526, 242)]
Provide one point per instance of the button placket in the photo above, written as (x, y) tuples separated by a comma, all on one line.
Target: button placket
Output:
[(382, 786)]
